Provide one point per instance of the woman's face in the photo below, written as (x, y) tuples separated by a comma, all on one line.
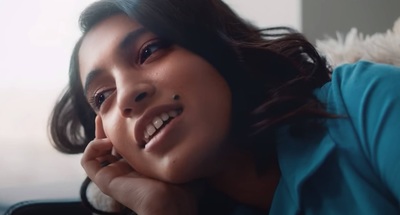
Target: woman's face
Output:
[(130, 78)]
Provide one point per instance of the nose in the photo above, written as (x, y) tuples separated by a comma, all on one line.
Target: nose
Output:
[(134, 97)]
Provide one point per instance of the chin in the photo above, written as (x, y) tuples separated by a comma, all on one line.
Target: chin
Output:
[(184, 172), (181, 177)]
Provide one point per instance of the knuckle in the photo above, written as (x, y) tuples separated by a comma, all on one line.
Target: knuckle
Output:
[(104, 178)]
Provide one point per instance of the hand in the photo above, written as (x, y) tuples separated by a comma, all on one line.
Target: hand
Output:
[(120, 181)]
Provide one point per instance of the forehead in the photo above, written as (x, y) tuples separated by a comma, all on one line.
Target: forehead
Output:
[(103, 38)]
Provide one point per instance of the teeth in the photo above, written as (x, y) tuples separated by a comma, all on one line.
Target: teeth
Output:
[(164, 116), (173, 113), (157, 122), (151, 130)]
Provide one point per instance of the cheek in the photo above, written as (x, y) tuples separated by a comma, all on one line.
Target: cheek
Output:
[(206, 128), (117, 131), (110, 125), (121, 134), (214, 103), (210, 98)]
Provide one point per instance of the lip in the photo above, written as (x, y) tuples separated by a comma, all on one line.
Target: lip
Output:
[(148, 117), (158, 144)]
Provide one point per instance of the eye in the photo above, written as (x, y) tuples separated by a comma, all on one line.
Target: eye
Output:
[(99, 98), (150, 49)]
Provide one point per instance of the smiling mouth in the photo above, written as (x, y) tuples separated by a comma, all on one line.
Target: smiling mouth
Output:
[(159, 122)]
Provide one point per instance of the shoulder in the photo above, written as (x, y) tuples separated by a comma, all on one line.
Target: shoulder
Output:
[(361, 85), (364, 74), (364, 87), (368, 96)]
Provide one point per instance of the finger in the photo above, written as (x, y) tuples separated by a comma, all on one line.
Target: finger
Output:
[(115, 153), (113, 170), (106, 168), (105, 177), (96, 152), (97, 148), (99, 130), (107, 160)]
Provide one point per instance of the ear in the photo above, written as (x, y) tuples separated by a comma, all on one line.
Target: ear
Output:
[(99, 130)]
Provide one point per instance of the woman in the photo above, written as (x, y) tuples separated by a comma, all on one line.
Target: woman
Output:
[(182, 107)]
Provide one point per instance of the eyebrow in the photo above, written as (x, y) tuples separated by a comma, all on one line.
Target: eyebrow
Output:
[(130, 38), (89, 79)]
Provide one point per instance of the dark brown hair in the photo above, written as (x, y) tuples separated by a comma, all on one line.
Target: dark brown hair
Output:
[(272, 72)]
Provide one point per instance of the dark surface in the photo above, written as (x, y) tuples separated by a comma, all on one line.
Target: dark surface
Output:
[(59, 207)]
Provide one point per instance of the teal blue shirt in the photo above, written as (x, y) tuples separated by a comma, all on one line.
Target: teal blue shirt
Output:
[(354, 168)]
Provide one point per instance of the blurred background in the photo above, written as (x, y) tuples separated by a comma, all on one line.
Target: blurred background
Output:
[(36, 40)]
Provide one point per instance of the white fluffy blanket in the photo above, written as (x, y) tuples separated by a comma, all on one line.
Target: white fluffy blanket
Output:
[(379, 47)]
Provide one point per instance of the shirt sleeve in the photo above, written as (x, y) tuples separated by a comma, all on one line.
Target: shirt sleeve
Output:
[(371, 93)]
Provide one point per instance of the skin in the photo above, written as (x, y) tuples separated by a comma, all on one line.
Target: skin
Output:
[(193, 146), (202, 126)]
